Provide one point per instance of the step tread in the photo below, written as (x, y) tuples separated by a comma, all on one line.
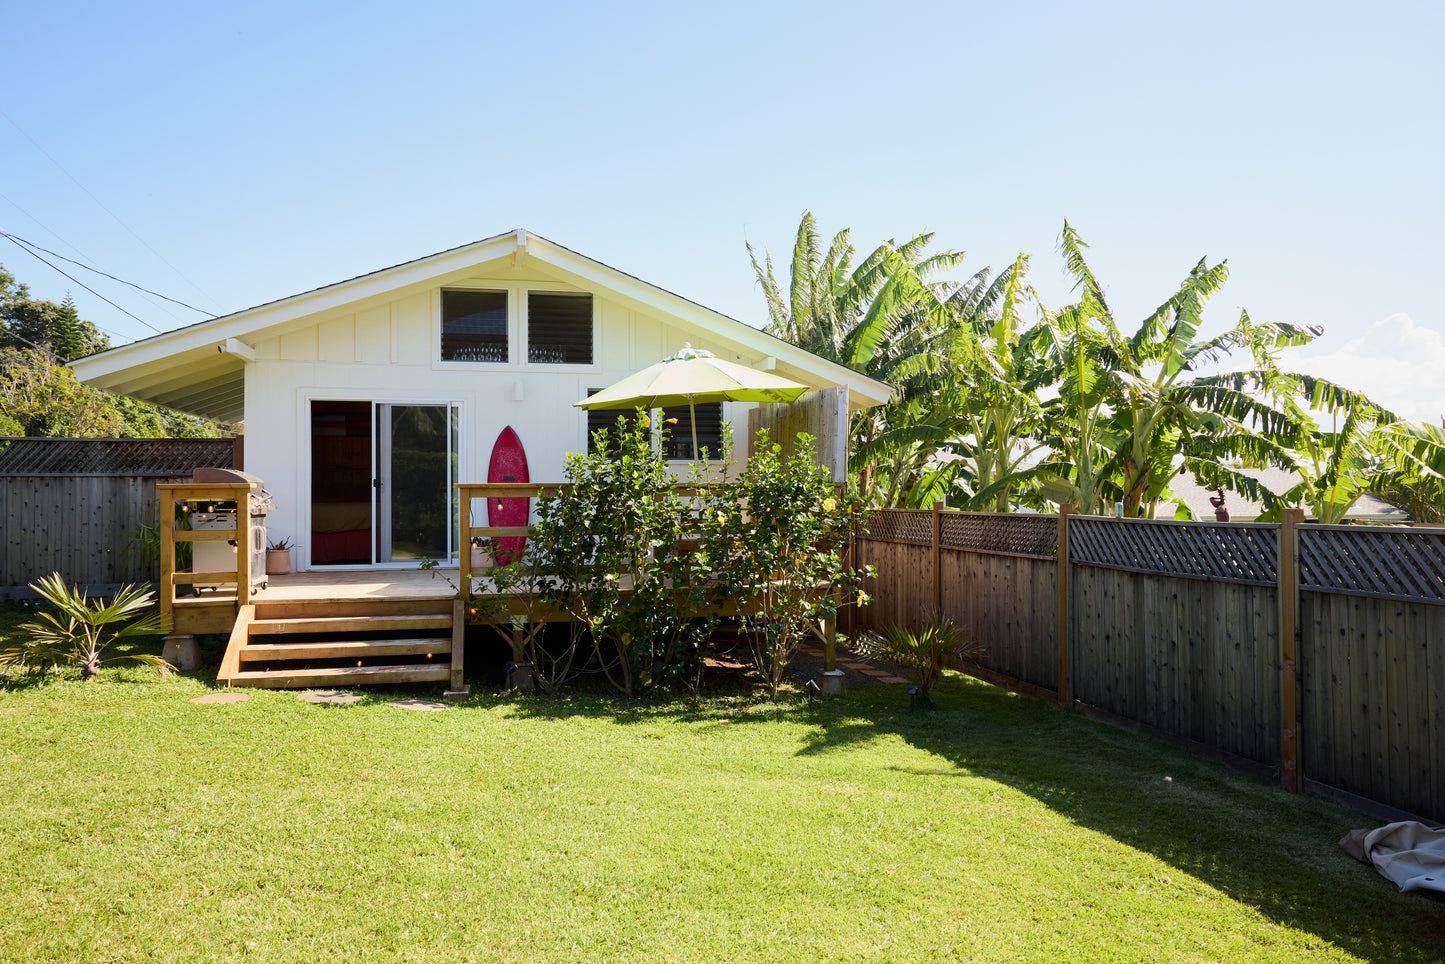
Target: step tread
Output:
[(352, 675), (342, 649), (341, 624)]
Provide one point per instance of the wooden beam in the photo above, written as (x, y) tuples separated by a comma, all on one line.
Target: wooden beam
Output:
[(1288, 644), (459, 637), (240, 635), (166, 508)]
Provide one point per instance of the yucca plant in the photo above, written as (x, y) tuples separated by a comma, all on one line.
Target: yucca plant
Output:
[(80, 629), (923, 651)]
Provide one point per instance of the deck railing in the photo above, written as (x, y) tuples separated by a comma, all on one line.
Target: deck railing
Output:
[(469, 491), (172, 493)]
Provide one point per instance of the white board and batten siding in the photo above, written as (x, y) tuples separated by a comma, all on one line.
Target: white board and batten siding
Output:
[(388, 349)]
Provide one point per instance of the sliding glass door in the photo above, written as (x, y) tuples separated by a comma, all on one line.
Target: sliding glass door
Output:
[(382, 481), (419, 463)]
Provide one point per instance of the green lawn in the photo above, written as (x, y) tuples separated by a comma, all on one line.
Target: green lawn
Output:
[(140, 826)]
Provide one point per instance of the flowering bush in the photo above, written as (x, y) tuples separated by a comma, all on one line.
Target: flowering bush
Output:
[(612, 538), (775, 549)]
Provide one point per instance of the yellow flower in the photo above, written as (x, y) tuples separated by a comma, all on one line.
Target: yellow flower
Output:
[(645, 422), (863, 598), (830, 504), (722, 518)]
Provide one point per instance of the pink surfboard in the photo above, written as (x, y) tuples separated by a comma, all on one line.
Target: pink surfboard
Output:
[(508, 464)]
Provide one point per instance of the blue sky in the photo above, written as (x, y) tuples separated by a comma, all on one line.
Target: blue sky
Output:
[(227, 156)]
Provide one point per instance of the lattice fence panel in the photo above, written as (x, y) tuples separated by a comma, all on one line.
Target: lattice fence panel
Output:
[(1012, 533), (1225, 552), (144, 457), (1389, 563), (910, 526)]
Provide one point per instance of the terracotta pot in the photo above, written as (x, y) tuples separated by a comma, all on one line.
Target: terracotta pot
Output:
[(278, 562)]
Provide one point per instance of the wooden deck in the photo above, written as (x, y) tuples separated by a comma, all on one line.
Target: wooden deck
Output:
[(343, 628)]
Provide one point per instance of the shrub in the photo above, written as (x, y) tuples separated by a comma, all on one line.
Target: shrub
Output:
[(80, 630), (924, 651), (610, 541), (776, 548)]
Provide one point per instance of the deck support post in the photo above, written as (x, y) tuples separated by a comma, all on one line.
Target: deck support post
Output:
[(181, 651), (457, 689)]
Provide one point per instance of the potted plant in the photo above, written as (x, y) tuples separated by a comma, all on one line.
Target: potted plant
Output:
[(278, 557)]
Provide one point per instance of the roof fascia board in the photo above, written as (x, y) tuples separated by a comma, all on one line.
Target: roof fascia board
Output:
[(246, 324), (268, 319)]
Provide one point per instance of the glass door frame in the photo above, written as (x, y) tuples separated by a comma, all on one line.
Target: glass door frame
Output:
[(456, 460)]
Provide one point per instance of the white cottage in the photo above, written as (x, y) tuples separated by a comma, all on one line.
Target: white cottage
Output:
[(364, 401)]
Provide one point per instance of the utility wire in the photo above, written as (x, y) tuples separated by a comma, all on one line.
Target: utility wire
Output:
[(92, 263), (32, 244), (16, 242), (107, 210), (45, 227)]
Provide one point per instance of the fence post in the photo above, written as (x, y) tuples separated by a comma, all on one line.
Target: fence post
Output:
[(1288, 630), (937, 570), (1063, 581)]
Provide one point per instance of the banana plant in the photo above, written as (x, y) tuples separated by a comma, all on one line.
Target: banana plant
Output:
[(886, 318), (1411, 471)]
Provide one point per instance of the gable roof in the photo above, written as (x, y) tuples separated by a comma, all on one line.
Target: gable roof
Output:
[(200, 368)]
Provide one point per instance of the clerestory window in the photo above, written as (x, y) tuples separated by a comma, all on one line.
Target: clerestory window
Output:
[(559, 328), (474, 326)]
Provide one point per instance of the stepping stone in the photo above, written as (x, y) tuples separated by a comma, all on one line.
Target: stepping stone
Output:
[(892, 679), (222, 698), (334, 697), (423, 706)]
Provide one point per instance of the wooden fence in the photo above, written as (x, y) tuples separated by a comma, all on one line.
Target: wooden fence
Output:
[(71, 505), (1316, 652)]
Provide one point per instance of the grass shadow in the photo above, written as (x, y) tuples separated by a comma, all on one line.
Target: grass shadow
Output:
[(1274, 851)]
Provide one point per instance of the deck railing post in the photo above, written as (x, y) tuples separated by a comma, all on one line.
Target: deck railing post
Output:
[(1063, 629), (166, 506), (464, 554), (1288, 645), (243, 545)]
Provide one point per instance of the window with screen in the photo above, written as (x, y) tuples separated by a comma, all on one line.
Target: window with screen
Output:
[(709, 431), (559, 328), (474, 326)]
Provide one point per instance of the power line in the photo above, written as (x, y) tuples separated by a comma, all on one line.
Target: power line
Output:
[(16, 242), (92, 263), (107, 210), (45, 227), (16, 237)]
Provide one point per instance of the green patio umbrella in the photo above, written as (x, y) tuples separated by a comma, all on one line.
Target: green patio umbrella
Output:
[(691, 376)]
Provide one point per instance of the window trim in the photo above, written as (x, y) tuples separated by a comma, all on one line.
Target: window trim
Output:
[(454, 364), (517, 333), (526, 345)]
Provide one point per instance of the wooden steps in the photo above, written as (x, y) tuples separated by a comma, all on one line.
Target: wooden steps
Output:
[(344, 676), (345, 649), (348, 624), (345, 642)]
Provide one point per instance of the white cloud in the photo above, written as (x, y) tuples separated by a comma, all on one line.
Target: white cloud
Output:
[(1397, 364)]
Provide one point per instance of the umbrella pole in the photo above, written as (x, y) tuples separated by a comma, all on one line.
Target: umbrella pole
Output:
[(692, 410)]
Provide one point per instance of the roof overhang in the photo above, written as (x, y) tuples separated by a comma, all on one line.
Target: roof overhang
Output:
[(201, 368)]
